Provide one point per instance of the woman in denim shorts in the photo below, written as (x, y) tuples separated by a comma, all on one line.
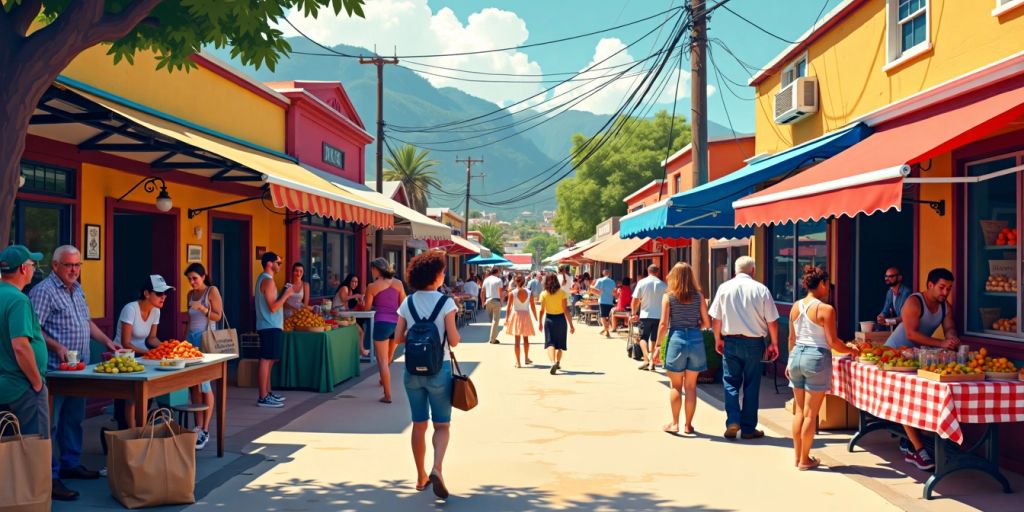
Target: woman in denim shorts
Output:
[(684, 315), (812, 337), (430, 396)]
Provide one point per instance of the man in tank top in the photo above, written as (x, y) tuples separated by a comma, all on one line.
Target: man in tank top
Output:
[(922, 315)]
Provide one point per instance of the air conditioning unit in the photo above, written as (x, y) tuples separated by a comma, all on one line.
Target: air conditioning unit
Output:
[(797, 100)]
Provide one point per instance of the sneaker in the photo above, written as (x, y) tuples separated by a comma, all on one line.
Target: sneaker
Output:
[(277, 397), (269, 402), (905, 446), (922, 459), (103, 471), (204, 437)]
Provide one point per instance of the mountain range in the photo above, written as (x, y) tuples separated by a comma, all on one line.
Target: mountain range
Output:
[(412, 103)]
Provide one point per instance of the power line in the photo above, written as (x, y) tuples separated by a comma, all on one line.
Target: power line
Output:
[(759, 27)]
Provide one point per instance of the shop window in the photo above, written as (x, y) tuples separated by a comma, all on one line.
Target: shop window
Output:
[(992, 264), (908, 28), (723, 261), (46, 180), (41, 227), (794, 246), (328, 255), (795, 70)]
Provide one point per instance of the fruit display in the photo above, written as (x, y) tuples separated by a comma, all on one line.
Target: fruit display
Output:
[(1005, 324), (118, 365), (173, 349), (304, 320), (868, 358), (1007, 236), (952, 369), (982, 360), (901, 363), (1001, 284), (66, 367)]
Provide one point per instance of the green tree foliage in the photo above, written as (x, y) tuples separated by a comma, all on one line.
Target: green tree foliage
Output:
[(543, 245), (416, 171), (629, 161), (492, 236)]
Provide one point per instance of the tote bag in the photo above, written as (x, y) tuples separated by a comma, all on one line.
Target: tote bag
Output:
[(463, 391), (152, 465), (219, 341), (25, 484)]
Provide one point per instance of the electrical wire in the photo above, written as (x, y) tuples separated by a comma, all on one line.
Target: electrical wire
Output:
[(759, 27), (671, 125)]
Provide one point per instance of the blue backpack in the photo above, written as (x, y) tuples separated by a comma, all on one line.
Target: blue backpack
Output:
[(424, 345)]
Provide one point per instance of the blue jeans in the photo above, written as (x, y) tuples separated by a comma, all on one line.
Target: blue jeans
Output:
[(741, 369), (66, 432), (430, 395)]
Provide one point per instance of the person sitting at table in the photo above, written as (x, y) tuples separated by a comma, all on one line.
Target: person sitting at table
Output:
[(896, 295), (206, 307), (300, 298), (348, 296), (921, 317), (136, 330), (623, 301), (812, 338)]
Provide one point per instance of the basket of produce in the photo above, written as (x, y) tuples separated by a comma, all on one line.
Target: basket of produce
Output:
[(305, 320), (951, 372), (173, 350)]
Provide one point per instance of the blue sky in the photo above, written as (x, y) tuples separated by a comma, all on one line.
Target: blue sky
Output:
[(446, 26)]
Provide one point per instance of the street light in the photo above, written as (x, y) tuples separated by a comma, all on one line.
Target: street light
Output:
[(149, 184)]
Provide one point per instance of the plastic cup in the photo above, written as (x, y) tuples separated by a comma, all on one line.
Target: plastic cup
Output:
[(72, 357), (867, 326)]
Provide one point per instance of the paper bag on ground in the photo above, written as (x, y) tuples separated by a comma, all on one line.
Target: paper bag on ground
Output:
[(152, 465), (25, 483)]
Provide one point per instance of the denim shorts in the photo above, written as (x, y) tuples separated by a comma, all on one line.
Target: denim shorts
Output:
[(685, 351), (196, 339), (810, 368), (383, 331), (430, 396)]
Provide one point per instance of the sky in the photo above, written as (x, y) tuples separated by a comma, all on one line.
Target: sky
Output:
[(420, 27)]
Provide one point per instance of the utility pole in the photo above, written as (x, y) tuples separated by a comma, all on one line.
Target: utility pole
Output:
[(469, 161), (378, 239), (700, 257)]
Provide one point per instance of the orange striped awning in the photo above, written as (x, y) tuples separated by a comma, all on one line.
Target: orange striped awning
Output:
[(317, 204)]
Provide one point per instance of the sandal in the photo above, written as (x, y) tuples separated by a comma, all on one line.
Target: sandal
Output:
[(814, 463), (439, 489), (668, 429), (529, 362), (385, 400), (688, 429), (424, 485)]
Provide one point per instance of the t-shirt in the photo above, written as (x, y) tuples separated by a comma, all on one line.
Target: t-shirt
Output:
[(565, 281), (744, 306), (17, 319), (552, 302), (471, 288), (132, 315), (534, 285), (607, 287), (425, 303), (649, 291), (492, 288)]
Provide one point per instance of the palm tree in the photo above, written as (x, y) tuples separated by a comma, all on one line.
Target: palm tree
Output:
[(492, 236), (415, 170)]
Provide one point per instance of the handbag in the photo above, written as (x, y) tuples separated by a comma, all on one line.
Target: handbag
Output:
[(25, 483), (219, 341), (154, 464), (463, 391), (633, 349)]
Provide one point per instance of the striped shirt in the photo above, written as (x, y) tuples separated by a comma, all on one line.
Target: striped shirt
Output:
[(63, 315), (683, 315)]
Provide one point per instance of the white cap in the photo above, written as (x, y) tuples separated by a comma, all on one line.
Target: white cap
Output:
[(158, 284)]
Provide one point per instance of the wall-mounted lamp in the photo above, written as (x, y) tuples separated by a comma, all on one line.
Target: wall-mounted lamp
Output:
[(149, 184)]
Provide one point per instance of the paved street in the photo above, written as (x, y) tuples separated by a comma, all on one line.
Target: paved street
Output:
[(588, 439)]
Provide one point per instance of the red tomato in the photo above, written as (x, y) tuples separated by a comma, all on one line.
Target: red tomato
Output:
[(64, 367), (81, 365)]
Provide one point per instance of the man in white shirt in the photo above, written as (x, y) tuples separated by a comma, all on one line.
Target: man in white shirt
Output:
[(647, 311), (491, 296), (743, 314)]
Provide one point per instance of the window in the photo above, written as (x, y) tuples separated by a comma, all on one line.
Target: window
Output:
[(42, 227), (51, 181), (1004, 6), (795, 70), (794, 246), (908, 28), (723, 261), (637, 207), (327, 249), (991, 263), (677, 183)]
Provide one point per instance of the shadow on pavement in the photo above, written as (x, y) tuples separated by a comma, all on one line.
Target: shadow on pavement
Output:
[(300, 494)]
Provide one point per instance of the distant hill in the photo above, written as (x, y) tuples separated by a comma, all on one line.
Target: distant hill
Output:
[(411, 101)]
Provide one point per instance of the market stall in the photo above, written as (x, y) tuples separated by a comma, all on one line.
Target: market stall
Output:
[(318, 360)]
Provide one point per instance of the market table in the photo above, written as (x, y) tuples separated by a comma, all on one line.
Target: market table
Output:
[(887, 400), (368, 332), (318, 360), (140, 387)]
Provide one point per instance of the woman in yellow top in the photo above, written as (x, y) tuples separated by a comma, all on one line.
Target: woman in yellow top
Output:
[(553, 302)]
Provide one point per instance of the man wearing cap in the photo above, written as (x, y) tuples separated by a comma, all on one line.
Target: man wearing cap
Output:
[(22, 348), (60, 305)]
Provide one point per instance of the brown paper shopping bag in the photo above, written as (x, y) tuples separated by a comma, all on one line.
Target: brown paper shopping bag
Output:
[(152, 465), (25, 483)]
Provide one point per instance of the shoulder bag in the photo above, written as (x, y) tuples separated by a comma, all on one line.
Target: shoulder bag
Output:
[(463, 392), (219, 341)]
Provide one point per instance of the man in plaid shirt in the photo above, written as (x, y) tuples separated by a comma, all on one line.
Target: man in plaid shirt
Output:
[(64, 316)]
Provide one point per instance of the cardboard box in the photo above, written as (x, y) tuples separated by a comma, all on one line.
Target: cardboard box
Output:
[(247, 369), (877, 337), (835, 414)]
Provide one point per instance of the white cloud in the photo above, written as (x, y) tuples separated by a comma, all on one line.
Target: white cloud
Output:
[(412, 27), (606, 93)]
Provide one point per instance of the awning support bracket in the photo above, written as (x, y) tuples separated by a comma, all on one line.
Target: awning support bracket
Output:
[(194, 212), (939, 206)]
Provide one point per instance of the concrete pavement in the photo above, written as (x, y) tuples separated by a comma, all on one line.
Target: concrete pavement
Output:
[(586, 439)]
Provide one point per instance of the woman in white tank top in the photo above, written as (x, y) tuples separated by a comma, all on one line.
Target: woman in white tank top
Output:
[(812, 337)]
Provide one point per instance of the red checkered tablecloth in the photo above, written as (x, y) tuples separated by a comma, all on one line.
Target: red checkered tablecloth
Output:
[(938, 407)]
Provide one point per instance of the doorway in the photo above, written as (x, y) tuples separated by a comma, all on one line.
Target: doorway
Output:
[(883, 240), (145, 243), (230, 268)]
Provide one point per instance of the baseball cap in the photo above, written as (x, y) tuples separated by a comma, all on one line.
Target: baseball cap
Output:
[(15, 255), (158, 284)]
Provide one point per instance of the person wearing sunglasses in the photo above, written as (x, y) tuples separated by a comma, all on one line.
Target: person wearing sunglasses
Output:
[(895, 296), (136, 330)]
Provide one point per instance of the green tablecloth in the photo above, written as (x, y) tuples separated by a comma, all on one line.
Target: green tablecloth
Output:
[(318, 360)]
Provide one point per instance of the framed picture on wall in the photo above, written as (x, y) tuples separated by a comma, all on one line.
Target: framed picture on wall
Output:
[(260, 251), (93, 241), (195, 253)]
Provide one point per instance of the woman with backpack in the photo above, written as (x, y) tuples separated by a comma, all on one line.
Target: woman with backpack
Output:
[(518, 319), (554, 309), (430, 396)]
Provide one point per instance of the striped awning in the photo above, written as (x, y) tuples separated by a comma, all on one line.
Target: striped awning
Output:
[(297, 200)]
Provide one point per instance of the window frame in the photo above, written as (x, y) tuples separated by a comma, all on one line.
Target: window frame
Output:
[(677, 182), (895, 53), (794, 270), (348, 246), (792, 68), (1005, 6)]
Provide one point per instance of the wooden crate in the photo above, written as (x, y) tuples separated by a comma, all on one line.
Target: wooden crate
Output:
[(950, 378), (877, 337)]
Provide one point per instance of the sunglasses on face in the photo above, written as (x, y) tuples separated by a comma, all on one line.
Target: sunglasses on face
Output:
[(160, 294)]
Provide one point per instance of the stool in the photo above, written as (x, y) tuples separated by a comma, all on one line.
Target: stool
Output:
[(184, 410)]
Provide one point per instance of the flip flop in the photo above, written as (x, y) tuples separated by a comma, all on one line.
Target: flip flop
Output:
[(688, 430), (384, 401), (814, 463), (673, 431), (439, 489), (420, 487)]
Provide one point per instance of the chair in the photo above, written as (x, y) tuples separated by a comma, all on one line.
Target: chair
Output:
[(184, 410)]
